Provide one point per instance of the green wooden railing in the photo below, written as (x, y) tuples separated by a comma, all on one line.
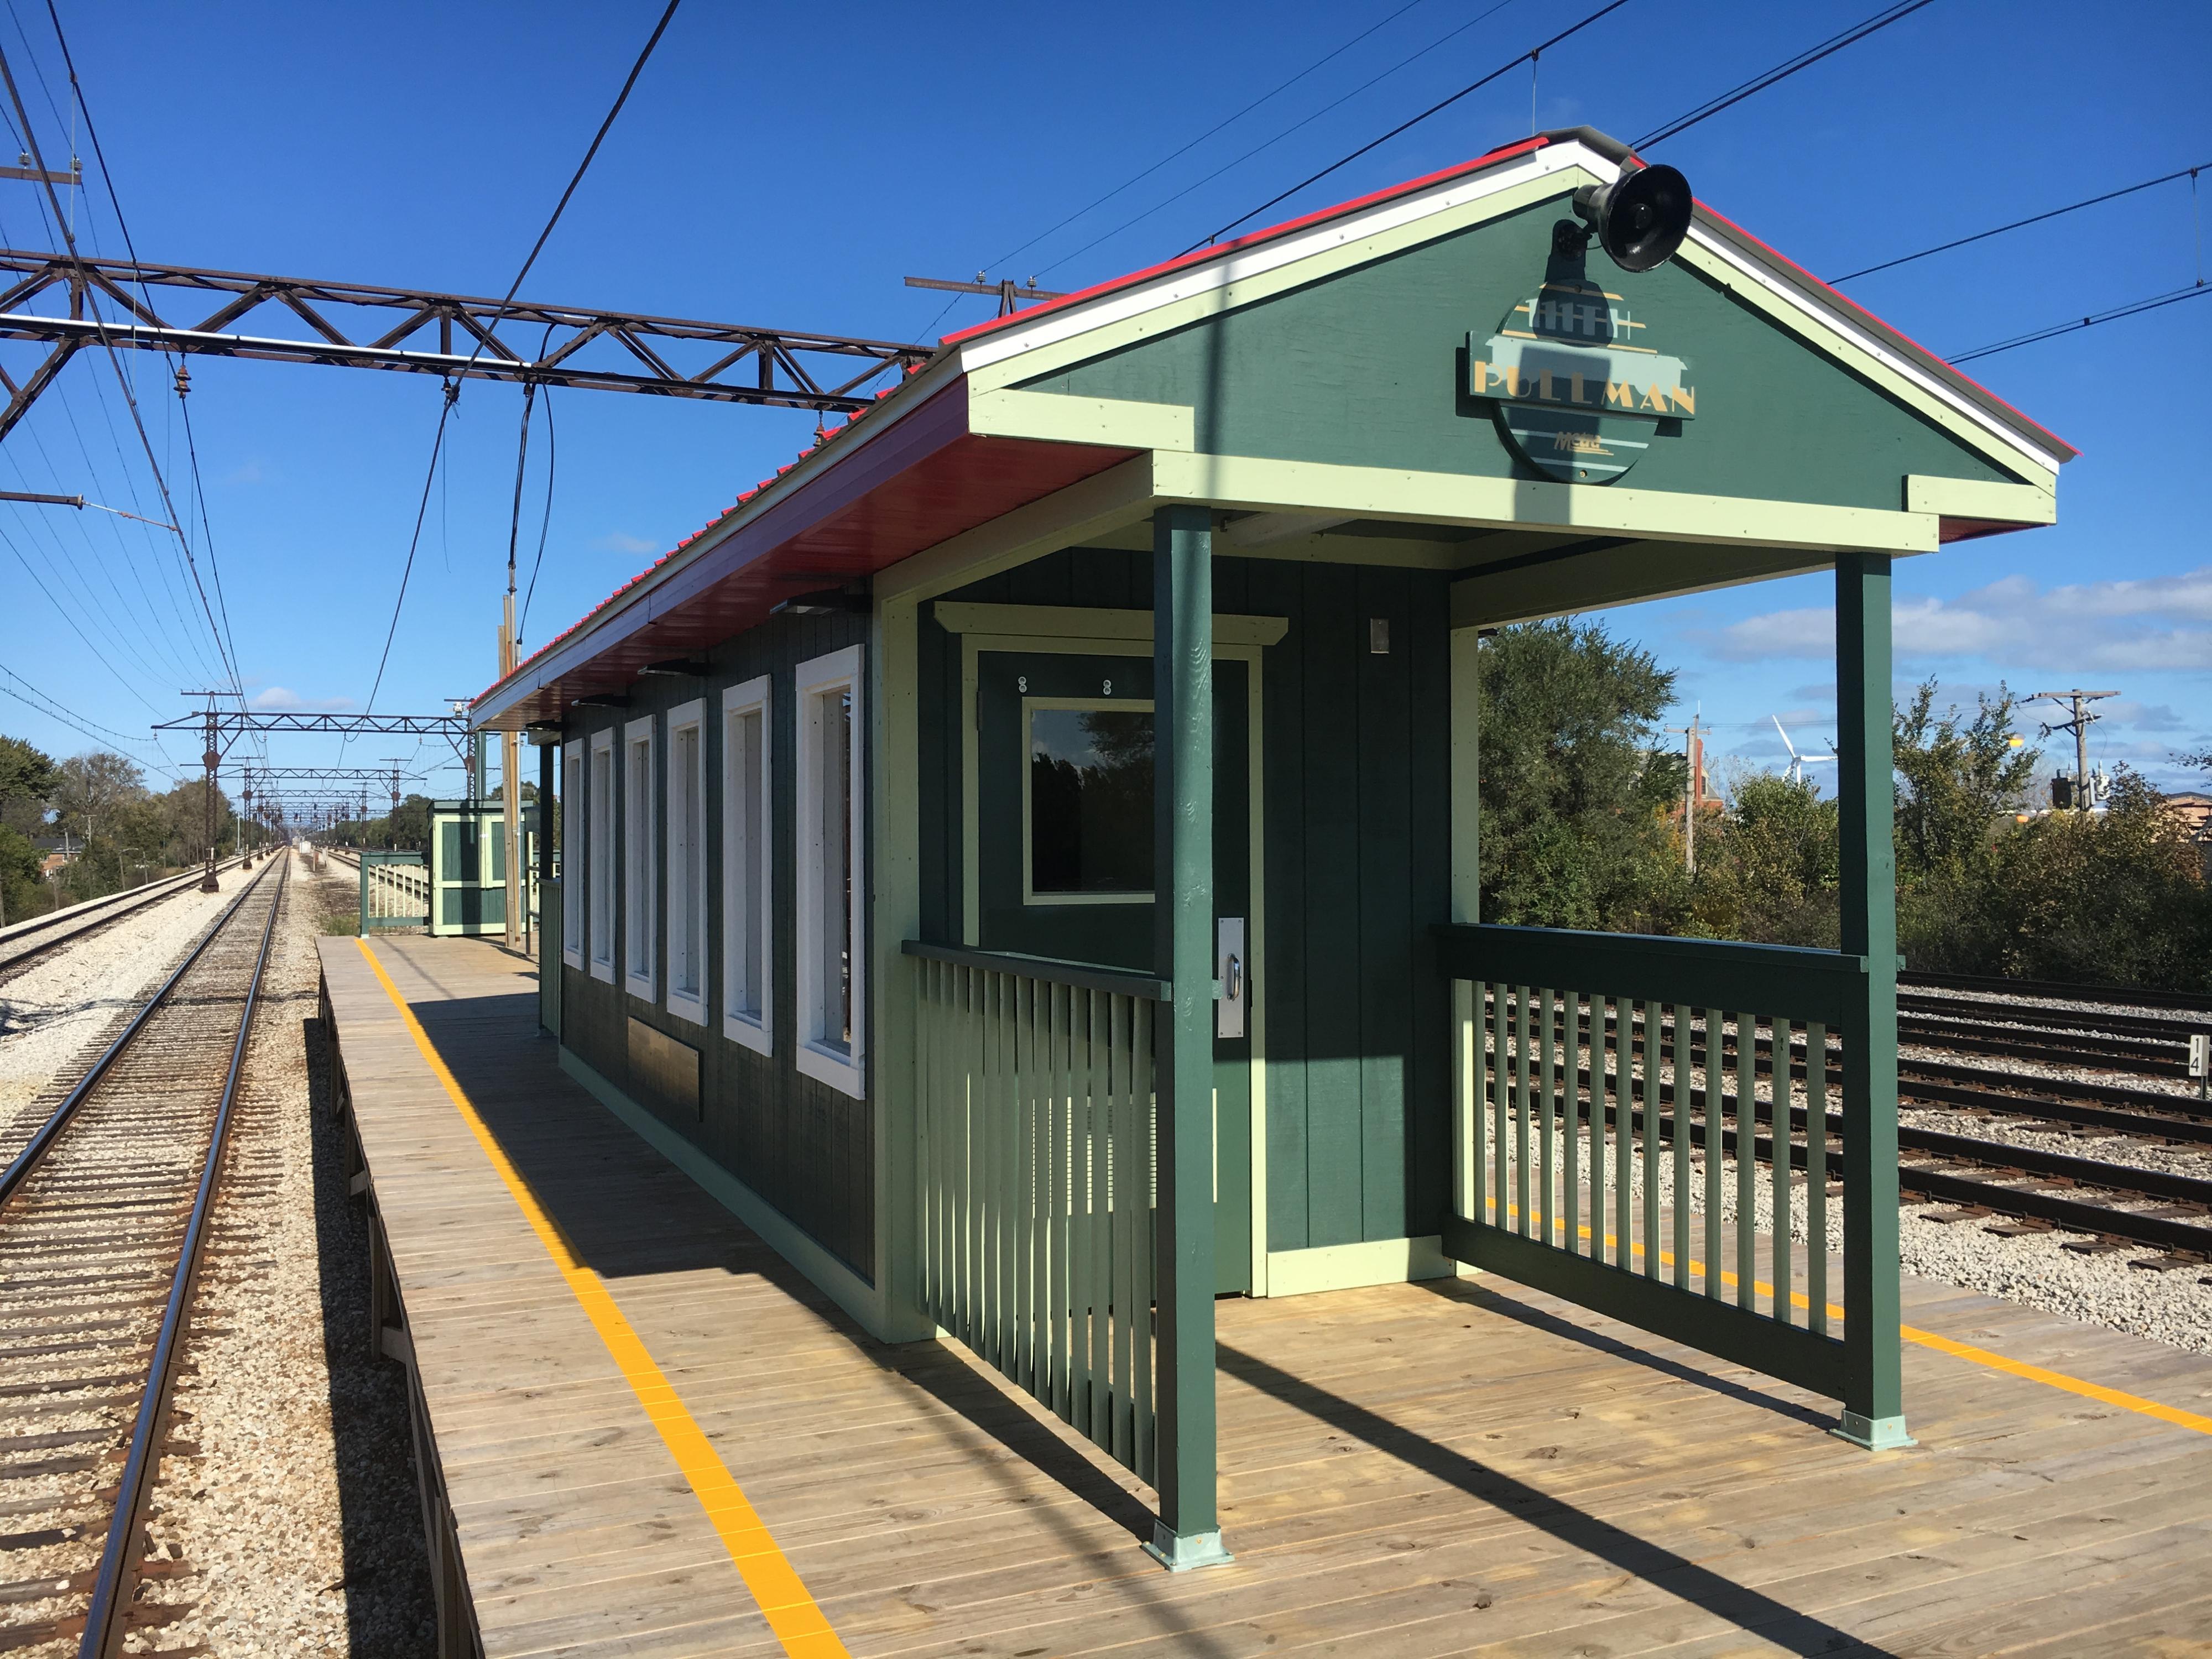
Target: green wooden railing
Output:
[(1605, 1085), (1036, 1180)]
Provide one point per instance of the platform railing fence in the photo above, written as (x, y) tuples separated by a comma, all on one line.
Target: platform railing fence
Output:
[(395, 892), (1614, 1099), (1035, 1181)]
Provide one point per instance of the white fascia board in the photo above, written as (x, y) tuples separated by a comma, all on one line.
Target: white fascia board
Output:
[(1837, 320), (1214, 275)]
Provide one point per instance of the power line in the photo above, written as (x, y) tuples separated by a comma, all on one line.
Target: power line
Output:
[(55, 709), (69, 237), (453, 388), (1226, 122), (2136, 308), (2020, 224), (184, 409), (1758, 83), (544, 523), (1530, 56)]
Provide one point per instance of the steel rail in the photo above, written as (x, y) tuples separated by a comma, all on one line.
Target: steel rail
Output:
[(140, 898), (103, 1622), (2117, 996), (27, 1160)]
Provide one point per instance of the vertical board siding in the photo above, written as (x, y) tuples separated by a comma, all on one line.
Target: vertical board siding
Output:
[(806, 1148), (1355, 809)]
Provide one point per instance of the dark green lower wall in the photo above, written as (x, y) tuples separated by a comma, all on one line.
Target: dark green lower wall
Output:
[(805, 1147), (1357, 844)]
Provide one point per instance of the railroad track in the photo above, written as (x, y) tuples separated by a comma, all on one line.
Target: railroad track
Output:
[(2113, 1204), (27, 942), (105, 1216)]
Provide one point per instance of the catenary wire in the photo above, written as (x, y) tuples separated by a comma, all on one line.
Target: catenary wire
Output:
[(2133, 308), (452, 387), (1781, 71), (184, 409), (2189, 173), (1270, 143), (544, 523), (1433, 109), (1225, 122), (123, 380)]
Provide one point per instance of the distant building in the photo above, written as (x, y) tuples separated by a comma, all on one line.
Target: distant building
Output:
[(2193, 809)]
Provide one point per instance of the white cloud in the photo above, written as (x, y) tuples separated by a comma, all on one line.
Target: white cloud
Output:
[(2135, 625), (618, 542), (283, 697)]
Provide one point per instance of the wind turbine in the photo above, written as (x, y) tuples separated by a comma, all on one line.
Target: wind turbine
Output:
[(1798, 762)]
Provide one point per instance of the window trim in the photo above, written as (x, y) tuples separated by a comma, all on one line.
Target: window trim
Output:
[(840, 669), (599, 856), (638, 864), (689, 1007), (757, 1033), (1031, 897), (572, 894)]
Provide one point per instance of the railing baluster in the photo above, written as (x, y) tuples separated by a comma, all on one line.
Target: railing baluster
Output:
[(1101, 1221), (1547, 1099), (1500, 1106), (1624, 1136), (1467, 1126), (1598, 1094), (1120, 1114), (1816, 1177), (1779, 1047), (1570, 1070), (1145, 1140), (1746, 1162), (1680, 1118), (1712, 1185), (1521, 1223), (1647, 1046)]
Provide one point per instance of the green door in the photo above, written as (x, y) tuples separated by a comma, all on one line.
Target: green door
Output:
[(1063, 862)]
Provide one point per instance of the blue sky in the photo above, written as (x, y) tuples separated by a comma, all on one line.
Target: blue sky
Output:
[(788, 165)]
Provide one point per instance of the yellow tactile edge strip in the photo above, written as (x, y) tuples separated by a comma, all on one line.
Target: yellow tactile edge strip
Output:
[(799, 1624), (1956, 1350)]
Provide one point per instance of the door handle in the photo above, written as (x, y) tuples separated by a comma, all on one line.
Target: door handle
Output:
[(1236, 981), (1229, 973)]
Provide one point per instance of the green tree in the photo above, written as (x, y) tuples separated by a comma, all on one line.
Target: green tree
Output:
[(90, 786), (1770, 875), (26, 783), (1959, 780), (1574, 796)]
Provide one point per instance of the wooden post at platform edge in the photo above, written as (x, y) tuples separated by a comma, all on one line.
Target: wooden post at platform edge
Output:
[(1188, 1532), (1874, 1386)]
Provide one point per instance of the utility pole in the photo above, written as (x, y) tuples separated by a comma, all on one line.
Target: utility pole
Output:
[(211, 757), (1694, 752), (510, 752), (2079, 725)]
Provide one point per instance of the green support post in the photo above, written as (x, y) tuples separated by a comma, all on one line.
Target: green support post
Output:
[(1874, 1389), (1188, 1532)]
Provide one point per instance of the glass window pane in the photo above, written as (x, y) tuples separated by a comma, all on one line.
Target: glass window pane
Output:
[(751, 830), (1090, 800)]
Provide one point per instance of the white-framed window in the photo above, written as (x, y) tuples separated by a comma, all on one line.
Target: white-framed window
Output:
[(685, 919), (599, 852), (1087, 800), (831, 886), (572, 861), (640, 899), (748, 869)]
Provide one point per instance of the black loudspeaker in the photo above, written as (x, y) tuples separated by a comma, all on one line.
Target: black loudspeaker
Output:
[(1641, 217)]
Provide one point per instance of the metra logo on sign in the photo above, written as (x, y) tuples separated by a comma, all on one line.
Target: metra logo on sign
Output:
[(1577, 395)]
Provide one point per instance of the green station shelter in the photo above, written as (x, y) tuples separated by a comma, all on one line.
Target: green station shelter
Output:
[(1022, 856)]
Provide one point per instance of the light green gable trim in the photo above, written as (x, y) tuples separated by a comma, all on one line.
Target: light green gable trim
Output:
[(1615, 576), (832, 1277), (1969, 498), (1746, 286), (1097, 506), (1054, 622), (987, 369), (1347, 1267), (1059, 417), (1252, 484)]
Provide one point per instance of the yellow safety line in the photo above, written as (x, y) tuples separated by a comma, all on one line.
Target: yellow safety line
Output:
[(799, 1624), (1956, 1350)]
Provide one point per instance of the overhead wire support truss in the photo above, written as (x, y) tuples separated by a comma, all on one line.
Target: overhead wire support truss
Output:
[(780, 368)]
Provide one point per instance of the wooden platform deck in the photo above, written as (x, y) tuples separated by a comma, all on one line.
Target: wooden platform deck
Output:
[(1466, 1467)]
